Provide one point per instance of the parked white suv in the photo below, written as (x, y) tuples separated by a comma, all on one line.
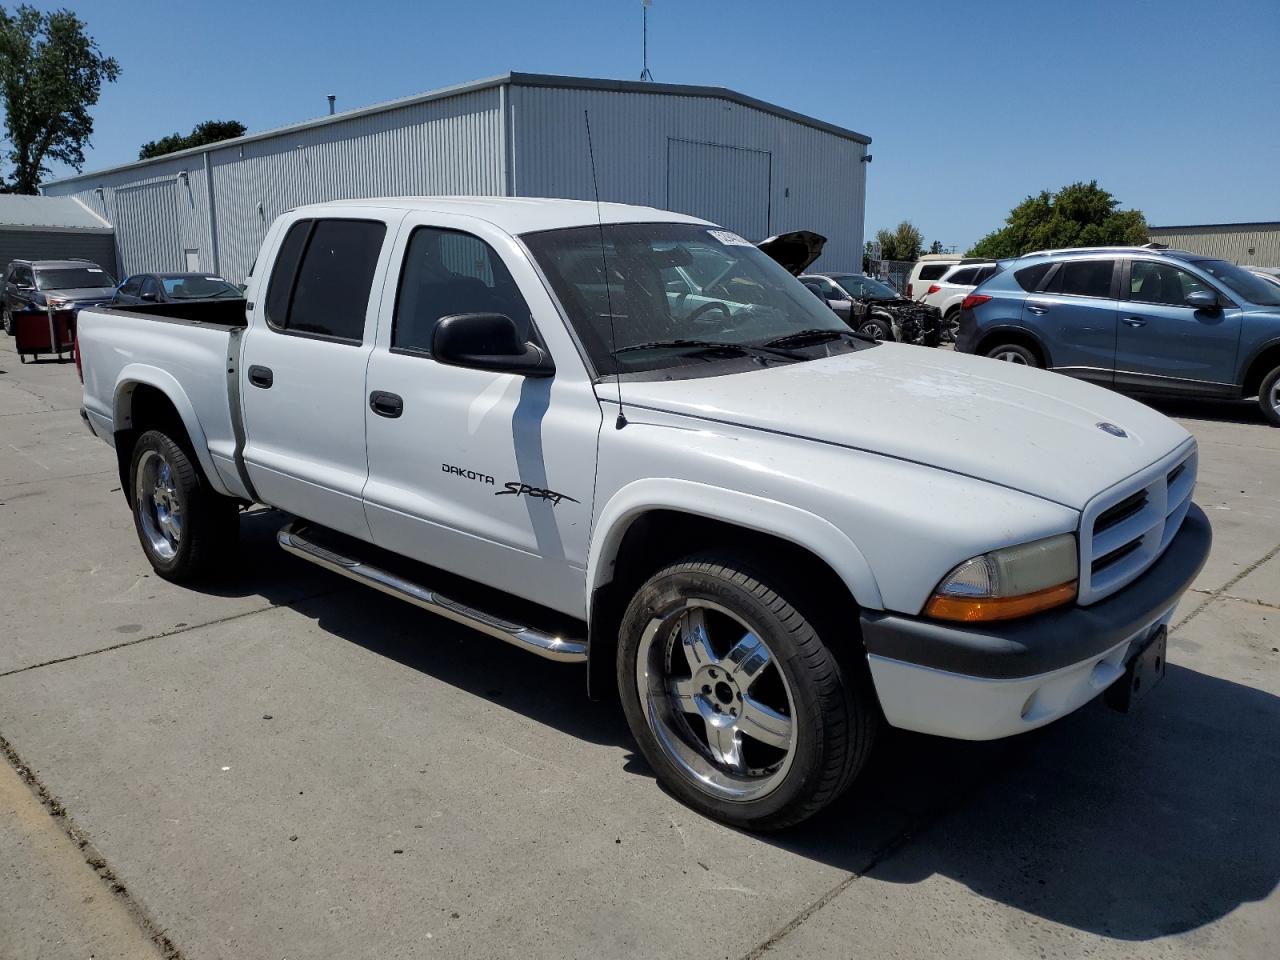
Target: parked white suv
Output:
[(768, 534), (948, 292), (930, 267)]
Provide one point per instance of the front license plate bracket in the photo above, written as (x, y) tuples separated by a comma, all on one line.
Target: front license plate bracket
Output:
[(1143, 670)]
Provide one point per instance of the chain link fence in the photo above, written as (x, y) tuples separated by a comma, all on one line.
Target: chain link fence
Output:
[(892, 272)]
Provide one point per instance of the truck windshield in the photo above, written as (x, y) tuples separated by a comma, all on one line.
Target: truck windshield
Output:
[(672, 287), (72, 278), (1241, 282)]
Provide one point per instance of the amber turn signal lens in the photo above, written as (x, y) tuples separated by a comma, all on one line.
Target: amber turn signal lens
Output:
[(999, 608)]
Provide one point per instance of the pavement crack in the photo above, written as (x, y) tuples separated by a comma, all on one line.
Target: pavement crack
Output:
[(1221, 592), (92, 856), (167, 633)]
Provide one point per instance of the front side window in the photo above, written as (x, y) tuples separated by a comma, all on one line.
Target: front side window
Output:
[(132, 287), (447, 273), (1246, 285), (322, 278), (1083, 278), (629, 320), (1162, 283)]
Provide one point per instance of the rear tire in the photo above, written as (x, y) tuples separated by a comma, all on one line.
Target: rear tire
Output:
[(8, 322), (1269, 397), (187, 530), (742, 710), (1014, 353)]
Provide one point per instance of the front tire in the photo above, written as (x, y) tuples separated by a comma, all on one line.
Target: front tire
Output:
[(8, 322), (743, 711), (951, 325), (187, 530), (1014, 353), (876, 327), (1269, 397)]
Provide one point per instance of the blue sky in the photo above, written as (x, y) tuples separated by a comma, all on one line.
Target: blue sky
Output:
[(1173, 106)]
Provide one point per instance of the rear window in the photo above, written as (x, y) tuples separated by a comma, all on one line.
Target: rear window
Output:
[(1029, 277), (328, 292), (934, 271), (1084, 278)]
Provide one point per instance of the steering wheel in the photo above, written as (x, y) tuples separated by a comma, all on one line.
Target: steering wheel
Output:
[(697, 315)]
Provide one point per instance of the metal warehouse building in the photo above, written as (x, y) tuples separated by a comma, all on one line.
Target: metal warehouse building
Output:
[(1253, 244), (53, 228), (751, 166)]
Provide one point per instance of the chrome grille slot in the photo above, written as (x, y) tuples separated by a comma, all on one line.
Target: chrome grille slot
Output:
[(1124, 530)]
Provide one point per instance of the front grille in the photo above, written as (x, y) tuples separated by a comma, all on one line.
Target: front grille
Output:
[(1124, 530)]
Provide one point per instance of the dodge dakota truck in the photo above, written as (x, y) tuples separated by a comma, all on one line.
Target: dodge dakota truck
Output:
[(625, 437)]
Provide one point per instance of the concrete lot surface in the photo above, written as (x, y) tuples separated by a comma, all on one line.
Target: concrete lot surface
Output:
[(293, 766)]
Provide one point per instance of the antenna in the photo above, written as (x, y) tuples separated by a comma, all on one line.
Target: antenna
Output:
[(604, 266), (644, 43)]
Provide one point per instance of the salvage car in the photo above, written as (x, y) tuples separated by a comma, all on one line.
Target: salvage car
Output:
[(173, 288), (876, 310), (60, 284), (767, 535)]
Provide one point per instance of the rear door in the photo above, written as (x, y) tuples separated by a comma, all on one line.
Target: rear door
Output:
[(1075, 313), (1162, 343), (490, 474), (303, 365)]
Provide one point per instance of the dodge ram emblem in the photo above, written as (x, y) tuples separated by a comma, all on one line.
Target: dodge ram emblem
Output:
[(1111, 428)]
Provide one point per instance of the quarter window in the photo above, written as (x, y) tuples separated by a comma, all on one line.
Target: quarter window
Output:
[(934, 271), (965, 276), (1083, 278), (322, 277), (1029, 277), (1161, 283), (447, 273)]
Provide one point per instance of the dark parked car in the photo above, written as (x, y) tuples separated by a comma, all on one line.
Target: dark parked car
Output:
[(174, 288), (1133, 318), (875, 309), (62, 284)]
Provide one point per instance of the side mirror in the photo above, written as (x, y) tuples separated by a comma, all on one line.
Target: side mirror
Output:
[(488, 341), (1202, 300), (150, 297)]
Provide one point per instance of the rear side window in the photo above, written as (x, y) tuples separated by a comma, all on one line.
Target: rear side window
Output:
[(964, 276), (1084, 278), (322, 278), (446, 273), (934, 271), (1029, 277), (985, 273)]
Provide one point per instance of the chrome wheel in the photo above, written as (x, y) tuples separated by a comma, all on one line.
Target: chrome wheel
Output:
[(716, 700), (1010, 356), (158, 504), (1274, 399), (8, 322)]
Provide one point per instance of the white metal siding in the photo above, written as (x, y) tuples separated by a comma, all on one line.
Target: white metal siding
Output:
[(818, 181), (1256, 244), (729, 185)]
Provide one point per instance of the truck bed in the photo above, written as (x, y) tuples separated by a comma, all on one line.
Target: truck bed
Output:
[(189, 351)]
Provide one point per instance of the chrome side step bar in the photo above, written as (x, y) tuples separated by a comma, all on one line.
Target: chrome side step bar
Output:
[(292, 537)]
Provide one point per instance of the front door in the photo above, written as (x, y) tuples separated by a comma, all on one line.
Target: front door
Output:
[(487, 474), (1162, 343), (303, 366), (1074, 313)]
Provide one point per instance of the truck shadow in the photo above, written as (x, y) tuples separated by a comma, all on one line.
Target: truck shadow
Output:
[(1131, 827)]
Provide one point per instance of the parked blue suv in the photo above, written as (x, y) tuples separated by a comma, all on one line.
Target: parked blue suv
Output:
[(1137, 319)]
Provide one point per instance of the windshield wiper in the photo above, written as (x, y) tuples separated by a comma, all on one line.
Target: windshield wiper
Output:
[(805, 337), (711, 346)]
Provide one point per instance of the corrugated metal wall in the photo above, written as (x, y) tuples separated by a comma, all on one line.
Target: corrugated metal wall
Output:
[(1255, 244), (22, 244), (818, 181), (457, 144)]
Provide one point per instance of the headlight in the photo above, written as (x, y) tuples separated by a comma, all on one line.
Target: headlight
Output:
[(1012, 582)]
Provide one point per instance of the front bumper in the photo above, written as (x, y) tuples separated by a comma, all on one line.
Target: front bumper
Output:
[(981, 682)]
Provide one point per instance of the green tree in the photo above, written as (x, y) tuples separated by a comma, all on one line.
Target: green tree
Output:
[(51, 73), (901, 243), (1079, 215), (211, 131)]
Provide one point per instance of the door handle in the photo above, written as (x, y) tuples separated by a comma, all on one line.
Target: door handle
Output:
[(385, 404), (1038, 309), (1135, 321), (261, 377)]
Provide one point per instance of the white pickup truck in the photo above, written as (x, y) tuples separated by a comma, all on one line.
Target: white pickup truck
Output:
[(626, 437)]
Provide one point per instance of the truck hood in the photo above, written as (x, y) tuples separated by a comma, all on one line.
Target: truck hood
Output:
[(82, 294), (1027, 429)]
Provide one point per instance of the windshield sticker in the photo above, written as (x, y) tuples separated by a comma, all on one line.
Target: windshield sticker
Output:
[(729, 238), (93, 269), (214, 279)]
